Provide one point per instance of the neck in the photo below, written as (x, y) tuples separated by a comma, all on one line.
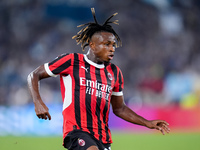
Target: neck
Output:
[(91, 56)]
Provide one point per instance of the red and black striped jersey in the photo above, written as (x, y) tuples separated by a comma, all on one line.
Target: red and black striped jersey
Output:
[(86, 89)]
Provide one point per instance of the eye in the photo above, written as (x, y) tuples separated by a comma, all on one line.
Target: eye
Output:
[(107, 44)]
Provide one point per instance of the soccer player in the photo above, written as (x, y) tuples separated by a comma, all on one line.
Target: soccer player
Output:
[(89, 84)]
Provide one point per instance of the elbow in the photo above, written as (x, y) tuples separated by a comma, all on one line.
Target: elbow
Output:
[(118, 112), (35, 74), (30, 78)]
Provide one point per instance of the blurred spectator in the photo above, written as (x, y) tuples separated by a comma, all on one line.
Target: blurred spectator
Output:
[(159, 38)]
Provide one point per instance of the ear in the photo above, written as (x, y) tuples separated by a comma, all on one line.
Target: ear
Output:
[(92, 45)]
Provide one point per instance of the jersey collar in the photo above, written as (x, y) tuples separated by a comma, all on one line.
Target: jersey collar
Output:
[(93, 63)]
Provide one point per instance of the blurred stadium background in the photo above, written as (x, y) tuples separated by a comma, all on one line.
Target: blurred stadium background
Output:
[(160, 60)]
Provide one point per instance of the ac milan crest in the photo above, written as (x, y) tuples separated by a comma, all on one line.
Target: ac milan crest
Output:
[(110, 76), (81, 142)]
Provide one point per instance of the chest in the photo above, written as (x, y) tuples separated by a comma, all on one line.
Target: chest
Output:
[(89, 76)]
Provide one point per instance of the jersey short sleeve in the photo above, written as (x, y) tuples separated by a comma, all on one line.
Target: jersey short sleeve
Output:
[(119, 84), (60, 65)]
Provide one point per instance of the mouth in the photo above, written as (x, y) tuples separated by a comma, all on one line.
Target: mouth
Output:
[(111, 56)]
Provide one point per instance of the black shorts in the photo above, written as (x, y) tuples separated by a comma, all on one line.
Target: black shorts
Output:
[(80, 140)]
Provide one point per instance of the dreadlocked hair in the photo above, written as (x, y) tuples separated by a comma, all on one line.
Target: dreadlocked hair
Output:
[(85, 34)]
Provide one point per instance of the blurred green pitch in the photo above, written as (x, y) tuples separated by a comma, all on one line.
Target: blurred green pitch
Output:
[(122, 141)]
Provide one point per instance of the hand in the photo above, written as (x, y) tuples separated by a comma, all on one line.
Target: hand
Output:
[(159, 125), (42, 111)]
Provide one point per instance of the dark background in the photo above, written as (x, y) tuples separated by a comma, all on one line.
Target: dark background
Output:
[(160, 56)]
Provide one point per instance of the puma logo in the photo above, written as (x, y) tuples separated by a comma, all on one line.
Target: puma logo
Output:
[(86, 69)]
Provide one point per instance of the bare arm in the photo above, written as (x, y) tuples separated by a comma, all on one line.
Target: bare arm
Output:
[(121, 110), (33, 79)]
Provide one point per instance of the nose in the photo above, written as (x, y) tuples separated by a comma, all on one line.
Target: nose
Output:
[(112, 49)]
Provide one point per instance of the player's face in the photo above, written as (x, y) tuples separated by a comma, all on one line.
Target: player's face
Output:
[(103, 46)]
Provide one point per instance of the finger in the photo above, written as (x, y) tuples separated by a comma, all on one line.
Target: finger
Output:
[(164, 122), (166, 128), (44, 117), (49, 116), (161, 130), (39, 116), (161, 123)]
